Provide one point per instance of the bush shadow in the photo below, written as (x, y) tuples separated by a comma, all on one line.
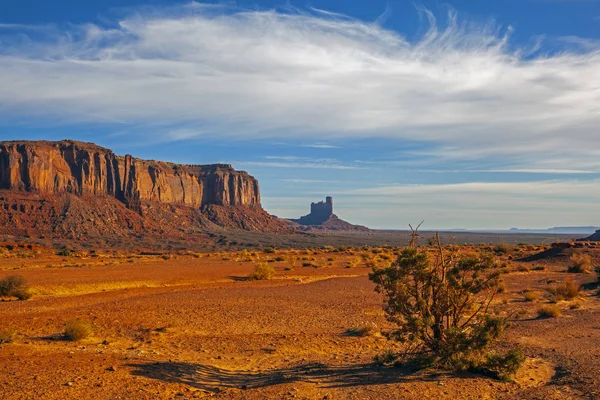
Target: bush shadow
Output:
[(215, 379)]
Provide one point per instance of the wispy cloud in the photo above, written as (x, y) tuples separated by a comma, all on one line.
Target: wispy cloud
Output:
[(298, 165), (543, 189), (322, 146), (307, 181), (315, 75)]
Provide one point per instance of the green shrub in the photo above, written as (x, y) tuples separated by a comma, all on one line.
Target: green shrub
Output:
[(14, 286), (500, 366), (77, 329), (440, 305), (262, 271)]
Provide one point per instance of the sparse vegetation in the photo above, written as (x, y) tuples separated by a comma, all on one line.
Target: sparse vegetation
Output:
[(7, 336), (530, 295), (568, 290), (441, 308), (362, 330), (77, 329), (262, 271), (14, 286), (581, 263), (549, 311)]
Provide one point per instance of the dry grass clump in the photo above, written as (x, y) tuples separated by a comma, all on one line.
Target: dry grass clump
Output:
[(549, 311), (262, 271), (77, 329), (530, 295), (8, 336), (581, 263), (14, 286), (362, 330), (353, 263), (568, 290)]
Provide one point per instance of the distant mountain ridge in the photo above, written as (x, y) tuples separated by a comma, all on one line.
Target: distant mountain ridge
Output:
[(564, 230), (560, 230)]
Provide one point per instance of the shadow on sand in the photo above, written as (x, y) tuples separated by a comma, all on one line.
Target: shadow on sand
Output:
[(215, 379)]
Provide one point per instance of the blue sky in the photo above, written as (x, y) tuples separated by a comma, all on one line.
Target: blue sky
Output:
[(465, 114)]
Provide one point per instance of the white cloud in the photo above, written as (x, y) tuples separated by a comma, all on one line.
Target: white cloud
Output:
[(581, 189), (268, 74), (299, 165), (307, 181), (321, 146)]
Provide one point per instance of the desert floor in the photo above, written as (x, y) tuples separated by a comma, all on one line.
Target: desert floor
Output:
[(190, 325)]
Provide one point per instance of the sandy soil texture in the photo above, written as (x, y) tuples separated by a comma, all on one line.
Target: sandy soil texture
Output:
[(190, 325)]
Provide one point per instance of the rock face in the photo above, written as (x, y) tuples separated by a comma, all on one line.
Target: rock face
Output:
[(322, 217), (87, 169), (73, 190)]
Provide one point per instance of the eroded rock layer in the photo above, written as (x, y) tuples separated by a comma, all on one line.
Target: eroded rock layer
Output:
[(87, 169)]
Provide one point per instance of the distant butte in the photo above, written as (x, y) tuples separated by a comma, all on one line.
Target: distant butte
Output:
[(322, 217), (75, 190)]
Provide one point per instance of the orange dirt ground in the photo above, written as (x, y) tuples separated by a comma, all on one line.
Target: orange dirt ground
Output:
[(190, 325)]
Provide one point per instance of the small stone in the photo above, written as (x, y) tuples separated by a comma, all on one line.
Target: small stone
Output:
[(112, 368), (69, 383)]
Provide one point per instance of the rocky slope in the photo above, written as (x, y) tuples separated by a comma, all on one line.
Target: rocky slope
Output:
[(81, 190)]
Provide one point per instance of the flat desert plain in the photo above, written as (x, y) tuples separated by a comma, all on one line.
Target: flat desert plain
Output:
[(191, 325)]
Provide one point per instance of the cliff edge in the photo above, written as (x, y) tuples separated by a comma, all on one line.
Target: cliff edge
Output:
[(71, 189)]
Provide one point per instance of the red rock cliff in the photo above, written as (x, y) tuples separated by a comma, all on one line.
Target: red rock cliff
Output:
[(85, 168)]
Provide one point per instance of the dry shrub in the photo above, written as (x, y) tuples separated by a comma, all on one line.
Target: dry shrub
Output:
[(549, 311), (568, 290), (77, 329), (262, 271), (362, 330), (531, 295), (581, 263), (353, 263), (8, 336), (14, 286)]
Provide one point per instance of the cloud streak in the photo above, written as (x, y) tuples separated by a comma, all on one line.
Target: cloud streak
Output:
[(270, 74)]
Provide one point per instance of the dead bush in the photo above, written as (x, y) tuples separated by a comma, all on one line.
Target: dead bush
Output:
[(14, 286), (8, 335), (549, 311), (581, 263), (531, 295), (77, 329), (567, 290), (362, 330), (262, 271)]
